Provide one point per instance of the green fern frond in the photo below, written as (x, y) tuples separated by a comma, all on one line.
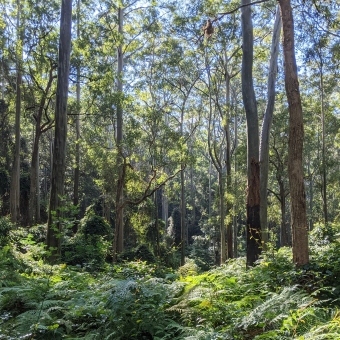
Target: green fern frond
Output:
[(275, 308)]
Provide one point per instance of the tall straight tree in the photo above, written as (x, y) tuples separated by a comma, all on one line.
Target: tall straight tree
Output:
[(266, 125), (59, 152), (77, 165), (295, 142), (15, 179), (249, 100), (118, 245)]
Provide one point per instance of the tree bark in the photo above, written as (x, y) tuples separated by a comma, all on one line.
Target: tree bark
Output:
[(77, 165), (119, 220), (34, 201), (59, 152), (183, 211), (283, 230), (229, 234), (324, 169), (250, 105), (15, 178), (266, 125), (295, 142)]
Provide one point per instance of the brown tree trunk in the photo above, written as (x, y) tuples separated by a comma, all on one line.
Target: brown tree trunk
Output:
[(295, 143), (253, 195), (59, 152), (284, 241)]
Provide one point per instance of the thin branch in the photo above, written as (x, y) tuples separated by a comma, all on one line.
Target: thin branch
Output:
[(148, 193), (221, 15)]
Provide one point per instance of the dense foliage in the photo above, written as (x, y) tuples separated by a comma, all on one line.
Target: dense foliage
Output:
[(144, 300)]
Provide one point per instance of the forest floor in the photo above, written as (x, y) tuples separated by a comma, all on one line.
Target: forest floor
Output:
[(136, 300)]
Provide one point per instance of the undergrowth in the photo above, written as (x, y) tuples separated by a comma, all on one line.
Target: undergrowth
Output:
[(136, 300)]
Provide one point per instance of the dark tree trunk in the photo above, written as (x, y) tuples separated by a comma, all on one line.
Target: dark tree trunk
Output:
[(59, 152), (284, 241), (295, 143), (249, 100)]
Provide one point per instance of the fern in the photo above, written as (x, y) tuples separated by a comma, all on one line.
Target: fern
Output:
[(275, 308)]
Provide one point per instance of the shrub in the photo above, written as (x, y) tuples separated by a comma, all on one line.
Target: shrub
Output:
[(90, 251), (5, 227), (93, 224), (141, 252)]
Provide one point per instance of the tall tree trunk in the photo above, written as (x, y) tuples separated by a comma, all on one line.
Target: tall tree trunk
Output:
[(37, 206), (34, 177), (235, 229), (77, 165), (183, 211), (250, 105), (221, 190), (311, 194), (59, 152), (119, 220), (324, 169), (15, 179), (165, 204), (295, 142), (266, 125), (34, 201), (229, 233), (218, 164), (284, 241)]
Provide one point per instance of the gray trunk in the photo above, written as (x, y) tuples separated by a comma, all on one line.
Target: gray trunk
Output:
[(250, 105), (267, 122)]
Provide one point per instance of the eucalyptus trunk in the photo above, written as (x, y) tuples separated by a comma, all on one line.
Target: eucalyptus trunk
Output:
[(266, 126), (59, 153), (295, 142), (253, 229)]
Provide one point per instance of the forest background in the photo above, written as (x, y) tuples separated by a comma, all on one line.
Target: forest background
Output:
[(168, 130)]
